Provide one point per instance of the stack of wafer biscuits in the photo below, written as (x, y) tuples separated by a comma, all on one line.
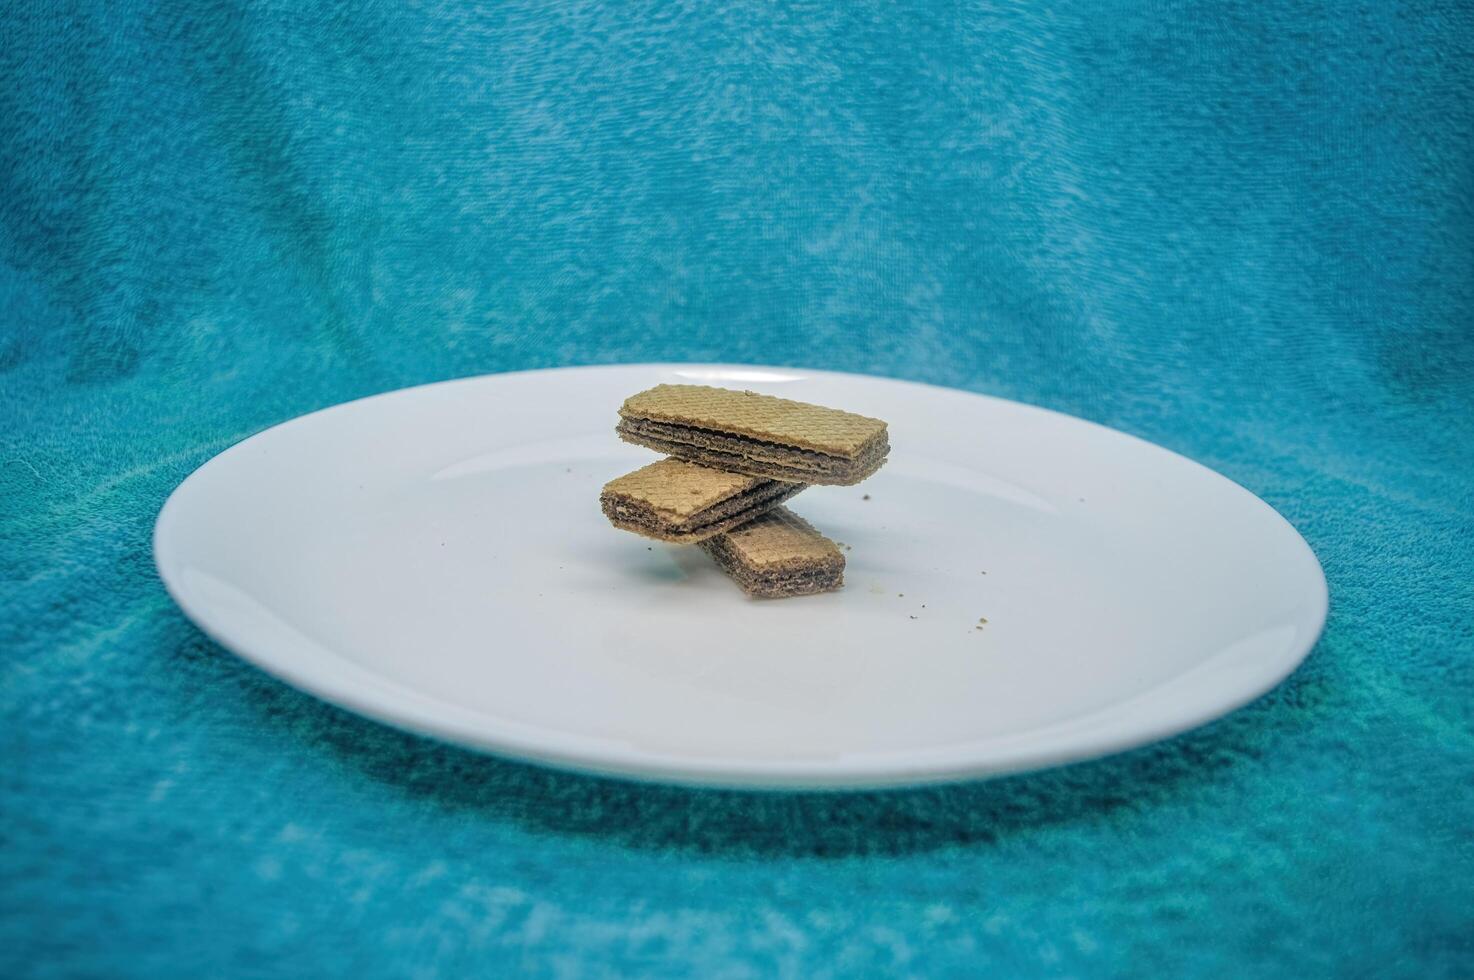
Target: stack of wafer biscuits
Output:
[(733, 459)]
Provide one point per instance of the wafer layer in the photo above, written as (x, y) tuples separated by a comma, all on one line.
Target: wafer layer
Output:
[(760, 435), (681, 502), (778, 554)]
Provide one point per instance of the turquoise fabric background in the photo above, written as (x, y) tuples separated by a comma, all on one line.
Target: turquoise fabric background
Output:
[(1243, 230)]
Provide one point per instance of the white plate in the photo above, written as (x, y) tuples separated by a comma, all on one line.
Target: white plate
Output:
[(435, 558)]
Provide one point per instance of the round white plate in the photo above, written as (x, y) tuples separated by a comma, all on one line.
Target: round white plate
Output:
[(1023, 588)]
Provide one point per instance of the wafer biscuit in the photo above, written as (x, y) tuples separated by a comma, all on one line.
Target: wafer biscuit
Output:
[(779, 554), (760, 435), (681, 502)]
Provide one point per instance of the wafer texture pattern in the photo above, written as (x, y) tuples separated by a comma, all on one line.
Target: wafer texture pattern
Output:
[(780, 540), (756, 416), (678, 490)]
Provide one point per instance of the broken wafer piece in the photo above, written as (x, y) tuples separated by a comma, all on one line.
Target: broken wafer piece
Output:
[(779, 554), (760, 435), (682, 502)]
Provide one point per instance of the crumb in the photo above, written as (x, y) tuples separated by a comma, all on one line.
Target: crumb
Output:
[(694, 491), (1082, 500), (866, 497), (982, 619), (568, 469), (923, 605), (848, 548), (913, 617), (982, 573), (648, 548), (900, 595)]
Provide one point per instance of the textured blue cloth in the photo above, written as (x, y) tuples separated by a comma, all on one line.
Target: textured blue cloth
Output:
[(1243, 230)]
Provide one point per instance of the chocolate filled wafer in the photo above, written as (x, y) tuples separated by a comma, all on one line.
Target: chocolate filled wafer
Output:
[(759, 435), (778, 554), (681, 502)]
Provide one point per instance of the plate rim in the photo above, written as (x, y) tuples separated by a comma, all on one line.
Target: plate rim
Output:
[(955, 762)]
